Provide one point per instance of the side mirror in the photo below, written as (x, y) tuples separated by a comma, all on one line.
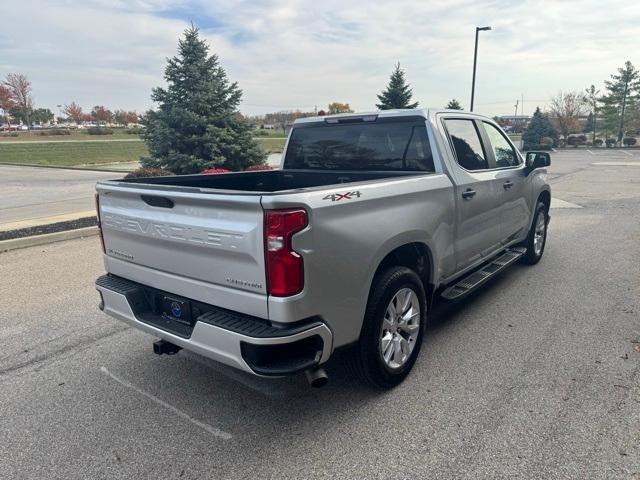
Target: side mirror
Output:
[(537, 160)]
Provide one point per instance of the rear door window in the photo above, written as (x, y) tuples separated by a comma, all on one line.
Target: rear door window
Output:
[(375, 146), (466, 143)]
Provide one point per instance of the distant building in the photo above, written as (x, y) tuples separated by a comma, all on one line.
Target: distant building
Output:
[(514, 123)]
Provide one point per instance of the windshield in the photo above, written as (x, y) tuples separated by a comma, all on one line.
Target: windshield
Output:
[(362, 146)]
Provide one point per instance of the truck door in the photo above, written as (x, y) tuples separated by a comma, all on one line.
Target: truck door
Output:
[(478, 213), (512, 185)]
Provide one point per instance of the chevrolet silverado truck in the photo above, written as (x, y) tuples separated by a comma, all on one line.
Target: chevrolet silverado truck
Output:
[(370, 218)]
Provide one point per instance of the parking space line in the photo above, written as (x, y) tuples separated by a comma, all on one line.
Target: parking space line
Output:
[(179, 413), (627, 153), (590, 152)]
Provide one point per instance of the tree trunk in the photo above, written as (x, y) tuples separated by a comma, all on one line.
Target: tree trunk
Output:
[(624, 104)]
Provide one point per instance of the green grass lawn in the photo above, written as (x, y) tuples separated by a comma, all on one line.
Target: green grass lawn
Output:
[(88, 150), (271, 145), (71, 153), (76, 135)]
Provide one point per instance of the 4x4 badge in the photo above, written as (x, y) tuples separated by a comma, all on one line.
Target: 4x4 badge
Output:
[(334, 197)]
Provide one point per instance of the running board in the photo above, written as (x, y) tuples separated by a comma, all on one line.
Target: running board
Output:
[(474, 280)]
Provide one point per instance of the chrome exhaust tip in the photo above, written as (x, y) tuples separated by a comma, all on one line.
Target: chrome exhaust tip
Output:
[(317, 377)]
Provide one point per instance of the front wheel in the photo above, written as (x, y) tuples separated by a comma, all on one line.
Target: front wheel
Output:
[(537, 238), (393, 328)]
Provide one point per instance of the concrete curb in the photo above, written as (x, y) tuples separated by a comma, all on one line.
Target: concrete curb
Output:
[(15, 243)]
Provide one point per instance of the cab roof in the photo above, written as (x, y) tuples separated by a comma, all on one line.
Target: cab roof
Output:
[(426, 113)]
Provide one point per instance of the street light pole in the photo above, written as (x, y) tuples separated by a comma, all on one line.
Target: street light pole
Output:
[(475, 61)]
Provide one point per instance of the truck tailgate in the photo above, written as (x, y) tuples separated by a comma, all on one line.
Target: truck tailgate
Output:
[(207, 238)]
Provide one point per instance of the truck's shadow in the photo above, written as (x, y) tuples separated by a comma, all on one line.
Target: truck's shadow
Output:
[(441, 319), (259, 412)]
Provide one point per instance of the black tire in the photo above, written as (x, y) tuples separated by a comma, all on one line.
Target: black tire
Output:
[(532, 257), (366, 357)]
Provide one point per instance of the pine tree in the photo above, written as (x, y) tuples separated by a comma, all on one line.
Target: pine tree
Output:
[(538, 128), (197, 124), (454, 105), (622, 96), (398, 93)]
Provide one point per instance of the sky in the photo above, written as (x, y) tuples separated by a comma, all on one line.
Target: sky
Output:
[(295, 54)]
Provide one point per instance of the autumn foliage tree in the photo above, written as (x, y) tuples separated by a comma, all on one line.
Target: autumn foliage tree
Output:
[(6, 102), (101, 114), (337, 107), (124, 118), (74, 112), (20, 90)]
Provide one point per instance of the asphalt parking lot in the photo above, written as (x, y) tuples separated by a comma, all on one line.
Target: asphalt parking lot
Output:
[(536, 376), (30, 194)]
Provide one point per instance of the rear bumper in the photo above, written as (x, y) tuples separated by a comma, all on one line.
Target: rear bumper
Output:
[(240, 341)]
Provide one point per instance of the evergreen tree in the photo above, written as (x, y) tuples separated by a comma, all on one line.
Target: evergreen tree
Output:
[(622, 97), (538, 128), (197, 124), (398, 93), (454, 105)]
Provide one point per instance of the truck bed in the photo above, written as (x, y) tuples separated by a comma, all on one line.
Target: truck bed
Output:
[(270, 180)]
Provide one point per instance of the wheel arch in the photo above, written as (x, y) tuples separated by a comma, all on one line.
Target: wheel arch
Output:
[(415, 255), (545, 197)]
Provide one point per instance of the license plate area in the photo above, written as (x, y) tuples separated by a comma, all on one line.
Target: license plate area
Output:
[(176, 309), (172, 313)]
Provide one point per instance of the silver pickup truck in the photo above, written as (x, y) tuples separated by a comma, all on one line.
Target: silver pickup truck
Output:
[(370, 218)]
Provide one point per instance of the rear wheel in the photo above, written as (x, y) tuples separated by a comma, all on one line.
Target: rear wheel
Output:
[(537, 238), (393, 328)]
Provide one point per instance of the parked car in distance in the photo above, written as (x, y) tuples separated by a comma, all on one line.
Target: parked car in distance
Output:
[(371, 218)]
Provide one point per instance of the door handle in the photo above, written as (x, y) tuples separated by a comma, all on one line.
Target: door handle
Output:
[(507, 185), (468, 194)]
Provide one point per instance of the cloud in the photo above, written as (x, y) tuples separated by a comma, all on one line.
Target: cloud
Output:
[(297, 54)]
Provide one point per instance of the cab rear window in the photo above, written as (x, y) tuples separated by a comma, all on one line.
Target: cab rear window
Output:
[(376, 146)]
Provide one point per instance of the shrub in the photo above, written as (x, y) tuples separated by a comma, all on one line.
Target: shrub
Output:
[(261, 133), (576, 140), (214, 171), (9, 134), (629, 141), (611, 142), (134, 131), (254, 168), (597, 142), (99, 131), (55, 132), (148, 172)]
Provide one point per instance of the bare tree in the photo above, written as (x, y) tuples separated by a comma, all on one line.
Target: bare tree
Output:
[(566, 109), (74, 111), (20, 88), (6, 102)]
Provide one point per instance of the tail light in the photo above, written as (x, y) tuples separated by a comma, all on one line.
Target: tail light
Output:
[(99, 222), (284, 266)]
